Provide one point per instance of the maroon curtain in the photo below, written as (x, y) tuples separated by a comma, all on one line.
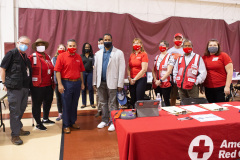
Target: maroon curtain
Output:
[(9, 46), (57, 26)]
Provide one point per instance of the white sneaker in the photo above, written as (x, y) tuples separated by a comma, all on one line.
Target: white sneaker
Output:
[(111, 128), (101, 125)]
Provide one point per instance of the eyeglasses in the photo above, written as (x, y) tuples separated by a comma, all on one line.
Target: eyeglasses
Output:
[(187, 45), (24, 43)]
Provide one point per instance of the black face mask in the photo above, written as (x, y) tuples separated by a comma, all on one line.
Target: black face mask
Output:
[(108, 44), (87, 50)]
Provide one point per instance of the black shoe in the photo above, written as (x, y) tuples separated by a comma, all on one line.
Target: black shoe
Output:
[(93, 106), (41, 127), (83, 106), (47, 121), (24, 133), (16, 140)]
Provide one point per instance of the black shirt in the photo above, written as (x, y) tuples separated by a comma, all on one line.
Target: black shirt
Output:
[(25, 62), (88, 63)]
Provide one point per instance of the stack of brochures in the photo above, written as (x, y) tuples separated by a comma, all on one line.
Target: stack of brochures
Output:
[(175, 110)]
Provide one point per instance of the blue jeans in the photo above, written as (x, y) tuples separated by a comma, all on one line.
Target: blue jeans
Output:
[(70, 99), (87, 78)]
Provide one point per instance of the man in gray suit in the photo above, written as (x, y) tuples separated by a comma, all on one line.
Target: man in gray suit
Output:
[(108, 77)]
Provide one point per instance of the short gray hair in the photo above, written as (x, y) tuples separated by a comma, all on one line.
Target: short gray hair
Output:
[(24, 37)]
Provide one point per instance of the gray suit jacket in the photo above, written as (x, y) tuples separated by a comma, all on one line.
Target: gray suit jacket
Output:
[(115, 70)]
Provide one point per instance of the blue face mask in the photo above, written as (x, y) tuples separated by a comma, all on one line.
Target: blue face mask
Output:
[(23, 47), (100, 46)]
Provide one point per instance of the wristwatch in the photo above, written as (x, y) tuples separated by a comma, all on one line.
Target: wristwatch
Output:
[(160, 80)]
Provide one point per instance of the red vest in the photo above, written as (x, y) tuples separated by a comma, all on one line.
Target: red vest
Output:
[(162, 71), (187, 75), (37, 70)]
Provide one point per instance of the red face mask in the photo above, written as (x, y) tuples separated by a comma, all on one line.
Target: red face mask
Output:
[(136, 47), (162, 48), (61, 51), (178, 43), (72, 50), (187, 50)]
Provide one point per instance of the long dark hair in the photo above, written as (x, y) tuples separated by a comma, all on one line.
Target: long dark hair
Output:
[(83, 49), (207, 53)]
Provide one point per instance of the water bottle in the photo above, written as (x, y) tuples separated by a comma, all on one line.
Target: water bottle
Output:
[(160, 101), (234, 73)]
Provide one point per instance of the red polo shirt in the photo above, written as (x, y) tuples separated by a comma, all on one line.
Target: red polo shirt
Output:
[(216, 73), (69, 65), (135, 63), (46, 65)]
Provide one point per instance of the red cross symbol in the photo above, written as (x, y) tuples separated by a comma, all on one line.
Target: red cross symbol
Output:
[(201, 149)]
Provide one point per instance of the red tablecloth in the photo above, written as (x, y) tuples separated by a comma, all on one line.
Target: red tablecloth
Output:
[(166, 138)]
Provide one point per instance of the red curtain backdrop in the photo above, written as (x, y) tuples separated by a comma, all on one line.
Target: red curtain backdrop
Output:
[(57, 26)]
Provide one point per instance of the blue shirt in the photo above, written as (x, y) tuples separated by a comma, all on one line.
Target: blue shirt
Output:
[(106, 56)]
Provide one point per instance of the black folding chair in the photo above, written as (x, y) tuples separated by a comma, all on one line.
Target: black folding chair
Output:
[(190, 101)]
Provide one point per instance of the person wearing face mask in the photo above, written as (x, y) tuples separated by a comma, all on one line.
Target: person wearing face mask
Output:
[(61, 48), (88, 61), (43, 82), (137, 68), (162, 68), (16, 77), (69, 68), (108, 78), (100, 43), (188, 72), (99, 113), (219, 72), (176, 51)]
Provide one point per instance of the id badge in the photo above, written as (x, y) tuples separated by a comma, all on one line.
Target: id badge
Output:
[(28, 72), (49, 71)]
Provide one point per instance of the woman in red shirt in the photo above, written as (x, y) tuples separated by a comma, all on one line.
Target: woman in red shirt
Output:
[(219, 72), (137, 68), (42, 80)]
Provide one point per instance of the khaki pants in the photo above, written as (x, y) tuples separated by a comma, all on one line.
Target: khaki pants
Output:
[(189, 93)]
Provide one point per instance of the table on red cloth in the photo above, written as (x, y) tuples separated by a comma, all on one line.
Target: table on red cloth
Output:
[(166, 138)]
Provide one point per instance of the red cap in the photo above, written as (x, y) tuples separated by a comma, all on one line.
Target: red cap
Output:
[(178, 35)]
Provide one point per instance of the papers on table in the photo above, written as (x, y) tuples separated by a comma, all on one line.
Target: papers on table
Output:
[(214, 107), (206, 117), (174, 110), (226, 105), (238, 107), (193, 108)]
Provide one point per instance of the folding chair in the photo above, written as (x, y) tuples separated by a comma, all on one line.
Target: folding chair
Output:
[(190, 101)]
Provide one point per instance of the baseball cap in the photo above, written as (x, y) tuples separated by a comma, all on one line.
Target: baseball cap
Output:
[(122, 100), (178, 35)]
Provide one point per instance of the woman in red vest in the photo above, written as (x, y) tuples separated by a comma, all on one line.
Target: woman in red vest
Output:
[(137, 68), (42, 80), (219, 72), (162, 68)]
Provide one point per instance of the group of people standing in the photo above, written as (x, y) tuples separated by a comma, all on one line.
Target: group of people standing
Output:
[(175, 69)]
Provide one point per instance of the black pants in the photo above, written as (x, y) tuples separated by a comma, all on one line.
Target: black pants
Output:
[(137, 91), (214, 95), (165, 93), (59, 99), (41, 95)]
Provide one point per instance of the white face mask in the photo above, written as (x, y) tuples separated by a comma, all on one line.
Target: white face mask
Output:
[(40, 48), (100, 46)]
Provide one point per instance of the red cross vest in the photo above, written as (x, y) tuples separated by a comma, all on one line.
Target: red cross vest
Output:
[(187, 75), (162, 71), (37, 70)]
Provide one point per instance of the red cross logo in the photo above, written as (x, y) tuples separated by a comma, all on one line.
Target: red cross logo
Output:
[(201, 149)]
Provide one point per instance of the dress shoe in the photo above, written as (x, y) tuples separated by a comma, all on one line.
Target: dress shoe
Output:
[(24, 133), (16, 140), (67, 130), (75, 126)]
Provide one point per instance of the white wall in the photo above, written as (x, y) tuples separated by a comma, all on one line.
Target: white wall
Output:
[(147, 10)]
